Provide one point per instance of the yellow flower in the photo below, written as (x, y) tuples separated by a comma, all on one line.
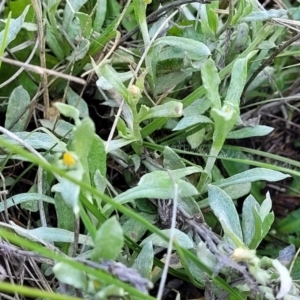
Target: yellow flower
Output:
[(68, 159)]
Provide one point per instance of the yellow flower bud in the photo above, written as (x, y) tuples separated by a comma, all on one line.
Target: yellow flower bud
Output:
[(68, 159)]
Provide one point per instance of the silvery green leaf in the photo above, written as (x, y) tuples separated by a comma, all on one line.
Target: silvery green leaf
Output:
[(167, 82), (53, 235), (99, 181), (144, 262), (195, 139), (70, 275), (265, 15), (267, 223), (64, 213), (186, 122), (197, 108), (224, 209), (69, 190), (29, 26), (190, 206), (238, 190), (121, 156), (16, 107), (71, 7), (163, 189), (262, 77), (32, 205), (248, 224), (24, 197), (9, 181), (238, 81), (136, 160), (134, 230), (100, 14), (229, 236), (84, 137), (53, 43), (211, 82), (109, 240), (257, 237), (156, 25), (267, 45), (175, 174), (194, 49), (172, 109), (205, 256), (266, 206), (38, 140), (172, 160), (75, 100), (252, 175), (259, 130), (68, 111), (115, 79), (14, 27), (96, 156), (116, 144), (269, 294), (196, 271), (174, 53), (80, 51), (181, 238), (158, 184), (59, 127), (118, 88), (105, 84), (110, 291)]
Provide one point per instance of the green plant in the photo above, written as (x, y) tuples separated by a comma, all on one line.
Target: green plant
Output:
[(176, 100)]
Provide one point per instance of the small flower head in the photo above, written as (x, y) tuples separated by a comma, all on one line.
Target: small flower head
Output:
[(240, 254), (135, 91), (69, 159)]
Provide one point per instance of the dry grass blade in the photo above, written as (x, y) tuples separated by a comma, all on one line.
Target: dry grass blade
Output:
[(40, 70)]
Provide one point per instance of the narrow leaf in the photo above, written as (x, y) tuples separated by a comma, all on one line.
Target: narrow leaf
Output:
[(18, 102), (38, 140), (109, 240), (194, 49), (259, 130), (76, 101), (181, 238), (211, 82), (223, 207), (144, 262), (238, 80), (100, 15), (187, 122), (172, 109), (69, 275), (252, 175), (248, 219), (14, 27)]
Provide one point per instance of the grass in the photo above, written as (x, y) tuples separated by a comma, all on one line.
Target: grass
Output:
[(125, 160)]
